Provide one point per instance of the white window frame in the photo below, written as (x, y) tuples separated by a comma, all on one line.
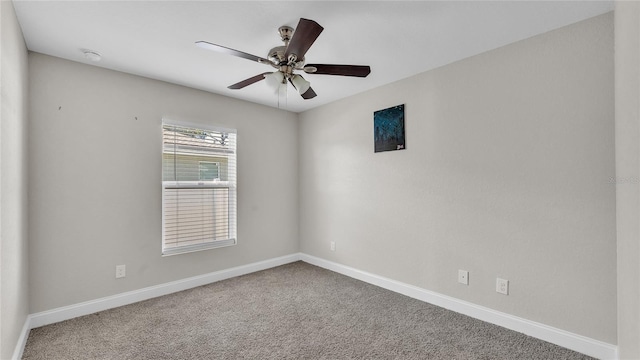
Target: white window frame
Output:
[(231, 185)]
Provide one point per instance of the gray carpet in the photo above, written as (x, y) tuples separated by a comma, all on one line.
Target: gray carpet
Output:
[(295, 311)]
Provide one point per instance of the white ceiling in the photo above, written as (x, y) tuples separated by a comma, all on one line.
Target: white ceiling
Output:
[(397, 39)]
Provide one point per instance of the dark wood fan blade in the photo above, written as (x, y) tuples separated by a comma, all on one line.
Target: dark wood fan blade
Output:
[(344, 70), (248, 81), (303, 37), (309, 94), (229, 51)]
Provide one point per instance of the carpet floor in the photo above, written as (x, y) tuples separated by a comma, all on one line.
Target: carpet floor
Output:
[(294, 311)]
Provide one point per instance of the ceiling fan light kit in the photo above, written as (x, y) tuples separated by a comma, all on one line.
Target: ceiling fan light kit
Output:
[(289, 58), (275, 79), (300, 83)]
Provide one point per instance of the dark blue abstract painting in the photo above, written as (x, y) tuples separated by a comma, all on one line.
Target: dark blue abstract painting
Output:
[(388, 125)]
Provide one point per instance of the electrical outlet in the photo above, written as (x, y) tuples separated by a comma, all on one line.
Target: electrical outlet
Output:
[(333, 246), (121, 271), (502, 286), (463, 277)]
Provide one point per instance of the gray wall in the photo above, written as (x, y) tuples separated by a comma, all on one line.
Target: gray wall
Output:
[(508, 172), (627, 75), (13, 181), (95, 184)]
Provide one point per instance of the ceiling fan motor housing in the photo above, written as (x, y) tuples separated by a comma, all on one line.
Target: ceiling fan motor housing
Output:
[(276, 55)]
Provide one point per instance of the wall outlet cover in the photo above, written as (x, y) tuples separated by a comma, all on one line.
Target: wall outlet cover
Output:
[(121, 271), (463, 277), (502, 286)]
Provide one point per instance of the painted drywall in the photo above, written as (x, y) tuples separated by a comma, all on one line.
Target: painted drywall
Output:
[(627, 108), (13, 181), (95, 185), (507, 173)]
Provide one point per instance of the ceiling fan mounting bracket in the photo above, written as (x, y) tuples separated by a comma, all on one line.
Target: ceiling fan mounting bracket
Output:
[(285, 34)]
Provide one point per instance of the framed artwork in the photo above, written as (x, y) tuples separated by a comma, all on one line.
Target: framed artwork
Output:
[(388, 129)]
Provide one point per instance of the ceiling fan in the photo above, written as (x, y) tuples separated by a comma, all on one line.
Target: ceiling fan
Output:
[(289, 58)]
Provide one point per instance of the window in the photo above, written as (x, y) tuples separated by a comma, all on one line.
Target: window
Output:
[(209, 171), (198, 188)]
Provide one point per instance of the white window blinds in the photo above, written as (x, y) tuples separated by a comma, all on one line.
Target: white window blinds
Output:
[(198, 188)]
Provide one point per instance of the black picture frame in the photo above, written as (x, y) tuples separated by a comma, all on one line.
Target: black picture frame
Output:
[(388, 129)]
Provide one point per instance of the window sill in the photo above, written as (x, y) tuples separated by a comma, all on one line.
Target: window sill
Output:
[(198, 247)]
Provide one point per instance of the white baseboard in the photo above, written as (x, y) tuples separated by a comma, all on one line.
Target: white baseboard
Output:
[(556, 336), (130, 297), (579, 343), (22, 340)]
